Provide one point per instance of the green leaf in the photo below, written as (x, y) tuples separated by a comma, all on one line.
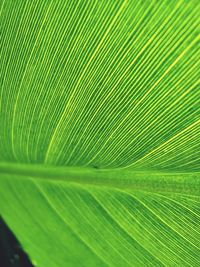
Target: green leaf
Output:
[(100, 131)]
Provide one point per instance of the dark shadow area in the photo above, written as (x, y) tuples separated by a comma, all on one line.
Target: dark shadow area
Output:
[(11, 253)]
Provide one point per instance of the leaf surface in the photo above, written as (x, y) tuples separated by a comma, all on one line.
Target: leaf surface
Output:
[(100, 131)]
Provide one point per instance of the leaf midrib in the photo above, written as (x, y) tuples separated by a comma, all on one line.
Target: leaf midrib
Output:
[(188, 183)]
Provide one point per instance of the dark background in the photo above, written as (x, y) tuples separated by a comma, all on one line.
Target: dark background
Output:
[(11, 252)]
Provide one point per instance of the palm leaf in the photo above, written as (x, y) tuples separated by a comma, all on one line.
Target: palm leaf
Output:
[(100, 131)]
